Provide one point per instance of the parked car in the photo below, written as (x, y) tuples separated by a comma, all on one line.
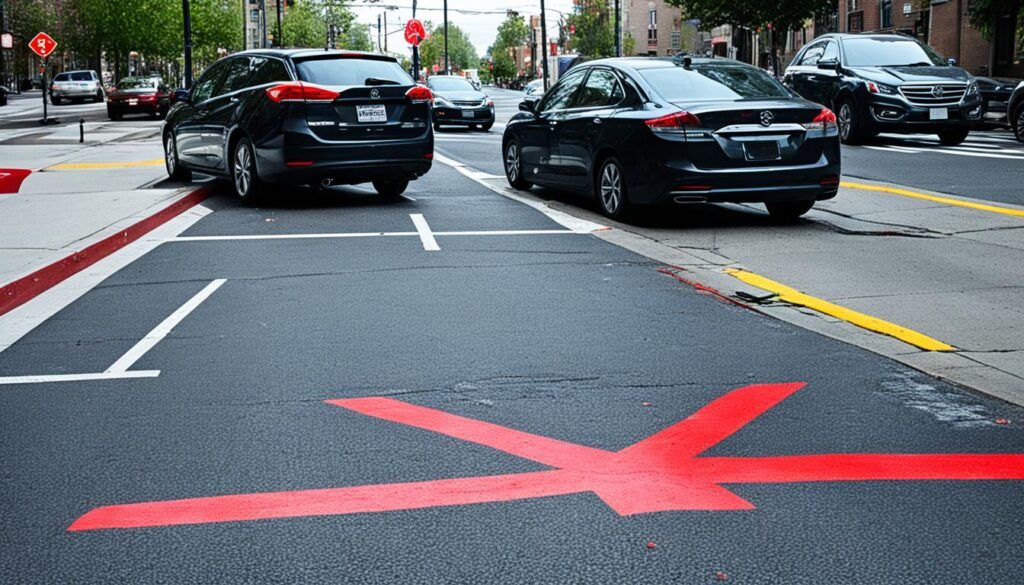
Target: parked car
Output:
[(76, 85), (1015, 111), (148, 95), (534, 90), (458, 103), (995, 96), (886, 83), (641, 131), (302, 116), (3, 95)]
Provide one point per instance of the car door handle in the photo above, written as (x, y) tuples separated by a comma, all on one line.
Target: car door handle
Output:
[(597, 120), (234, 99)]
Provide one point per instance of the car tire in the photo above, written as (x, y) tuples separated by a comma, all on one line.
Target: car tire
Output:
[(788, 211), (391, 189), (610, 190), (487, 127), (245, 178), (851, 128), (953, 137), (1018, 129), (437, 127), (172, 162), (55, 100), (514, 166), (115, 115)]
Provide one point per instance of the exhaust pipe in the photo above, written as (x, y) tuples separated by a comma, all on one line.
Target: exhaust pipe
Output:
[(690, 199), (327, 182)]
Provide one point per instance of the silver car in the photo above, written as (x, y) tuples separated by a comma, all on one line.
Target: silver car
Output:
[(76, 85)]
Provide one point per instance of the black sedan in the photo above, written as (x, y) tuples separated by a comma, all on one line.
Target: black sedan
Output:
[(302, 116), (995, 98), (458, 103), (641, 131)]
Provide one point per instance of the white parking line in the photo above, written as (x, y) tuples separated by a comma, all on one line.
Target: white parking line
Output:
[(5, 380), (368, 235), (423, 229), (160, 331)]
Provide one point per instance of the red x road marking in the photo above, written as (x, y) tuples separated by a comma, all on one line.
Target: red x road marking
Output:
[(660, 473)]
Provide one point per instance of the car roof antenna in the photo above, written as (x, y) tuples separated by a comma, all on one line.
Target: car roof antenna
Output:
[(684, 59)]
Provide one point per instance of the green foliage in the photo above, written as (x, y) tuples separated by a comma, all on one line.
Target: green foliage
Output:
[(513, 32), (593, 29), (628, 44), (784, 15), (305, 24), (461, 54), (983, 14), (504, 65)]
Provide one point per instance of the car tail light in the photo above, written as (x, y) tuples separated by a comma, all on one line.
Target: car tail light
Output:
[(419, 94), (832, 180), (825, 120), (297, 91), (299, 163), (673, 124)]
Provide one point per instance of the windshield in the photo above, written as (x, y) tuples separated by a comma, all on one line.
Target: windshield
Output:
[(136, 83), (350, 71), (81, 76), (450, 84), (714, 81), (888, 52)]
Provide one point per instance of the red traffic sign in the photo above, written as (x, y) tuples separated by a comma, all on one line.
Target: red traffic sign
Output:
[(6, 41), (42, 44), (414, 32)]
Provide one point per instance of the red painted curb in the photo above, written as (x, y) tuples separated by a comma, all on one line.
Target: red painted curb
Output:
[(11, 180), (19, 292)]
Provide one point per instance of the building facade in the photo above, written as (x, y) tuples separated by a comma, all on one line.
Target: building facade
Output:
[(655, 28), (943, 24)]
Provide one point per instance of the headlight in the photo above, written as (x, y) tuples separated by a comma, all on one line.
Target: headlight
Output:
[(881, 88), (440, 101), (972, 88)]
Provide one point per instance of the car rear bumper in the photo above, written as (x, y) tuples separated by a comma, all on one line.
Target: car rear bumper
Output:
[(303, 159), (682, 182), (74, 92), (125, 107)]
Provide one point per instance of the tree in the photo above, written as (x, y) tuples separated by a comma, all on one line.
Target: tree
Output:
[(783, 15), (983, 14), (504, 66), (461, 53), (305, 24), (628, 44), (514, 32), (591, 32)]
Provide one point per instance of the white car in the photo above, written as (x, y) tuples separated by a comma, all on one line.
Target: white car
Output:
[(76, 85)]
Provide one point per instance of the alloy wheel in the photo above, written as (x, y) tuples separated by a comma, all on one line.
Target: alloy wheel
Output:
[(512, 163), (845, 122), (243, 171), (1020, 126), (170, 155), (611, 188)]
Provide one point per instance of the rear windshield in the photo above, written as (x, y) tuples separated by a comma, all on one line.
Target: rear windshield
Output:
[(136, 83), (888, 52), (450, 84), (61, 77), (350, 71), (714, 82), (81, 76)]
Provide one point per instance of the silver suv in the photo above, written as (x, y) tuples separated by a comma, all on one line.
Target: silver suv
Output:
[(73, 85)]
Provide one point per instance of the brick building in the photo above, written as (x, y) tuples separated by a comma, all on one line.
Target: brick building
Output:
[(658, 29), (944, 25)]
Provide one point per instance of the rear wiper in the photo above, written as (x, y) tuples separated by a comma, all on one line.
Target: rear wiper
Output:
[(379, 81)]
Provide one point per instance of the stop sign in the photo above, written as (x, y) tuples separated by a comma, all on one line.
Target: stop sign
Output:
[(42, 44), (414, 32)]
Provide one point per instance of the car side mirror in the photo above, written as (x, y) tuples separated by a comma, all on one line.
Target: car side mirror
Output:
[(952, 62), (829, 65), (528, 106), (179, 95)]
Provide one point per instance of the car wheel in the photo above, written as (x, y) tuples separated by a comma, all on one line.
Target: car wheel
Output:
[(611, 190), (851, 130), (487, 127), (437, 127), (245, 178), (390, 189), (788, 211), (953, 137), (1019, 127), (171, 161), (514, 166), (55, 100)]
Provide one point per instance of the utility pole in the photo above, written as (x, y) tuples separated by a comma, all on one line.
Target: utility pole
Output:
[(446, 72), (385, 32), (188, 43), (263, 23), (415, 52), (544, 44), (279, 37), (618, 29), (379, 47)]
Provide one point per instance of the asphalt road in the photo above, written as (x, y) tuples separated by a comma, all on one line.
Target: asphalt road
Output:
[(512, 320)]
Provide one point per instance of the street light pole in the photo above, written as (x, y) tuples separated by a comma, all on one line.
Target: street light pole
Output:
[(188, 43), (544, 44), (446, 72), (263, 24), (279, 37), (618, 29), (415, 51)]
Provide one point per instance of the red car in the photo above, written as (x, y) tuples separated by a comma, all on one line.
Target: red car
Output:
[(132, 95)]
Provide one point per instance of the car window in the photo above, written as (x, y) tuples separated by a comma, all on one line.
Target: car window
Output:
[(601, 89), (813, 54), (61, 77), (558, 98), (888, 52), (351, 71), (81, 76), (136, 83), (831, 52), (203, 89), (267, 71), (450, 84), (236, 77), (715, 82)]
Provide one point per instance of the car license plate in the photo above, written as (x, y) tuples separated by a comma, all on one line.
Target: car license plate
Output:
[(133, 102), (767, 150), (375, 113), (468, 114), (938, 114)]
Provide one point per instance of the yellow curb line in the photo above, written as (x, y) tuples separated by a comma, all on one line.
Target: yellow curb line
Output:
[(795, 297), (935, 198), (106, 165)]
